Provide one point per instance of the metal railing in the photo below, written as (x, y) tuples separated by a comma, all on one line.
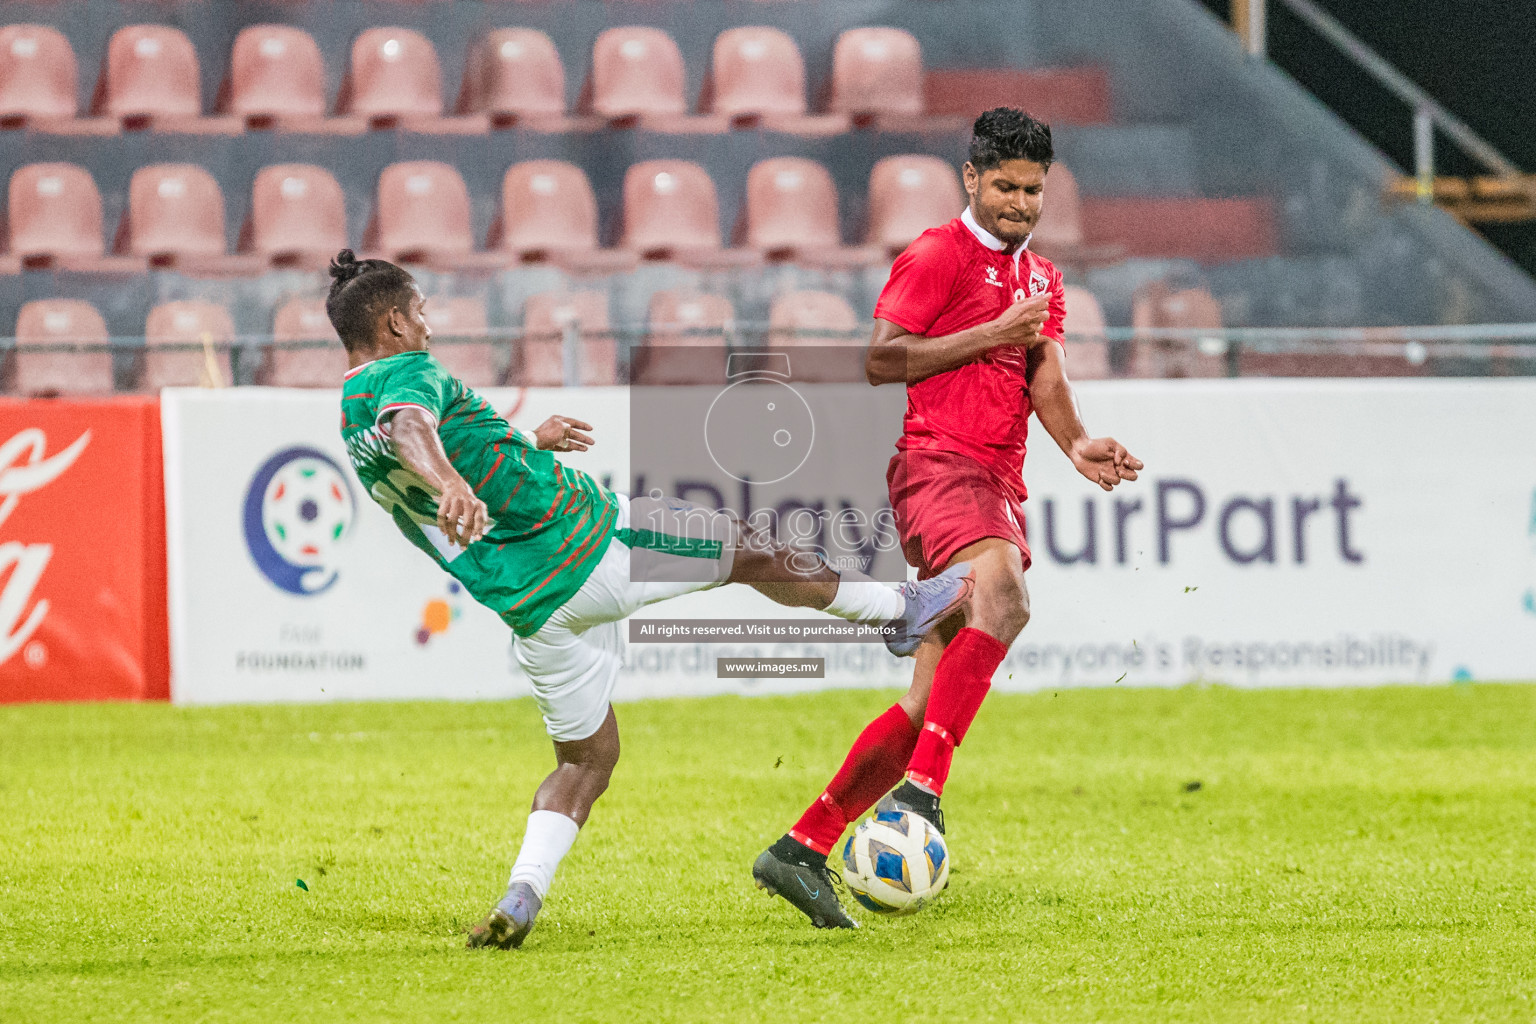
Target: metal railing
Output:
[(508, 356), (1250, 19)]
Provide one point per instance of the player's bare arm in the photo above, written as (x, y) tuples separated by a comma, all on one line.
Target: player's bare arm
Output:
[(460, 515), (897, 356), (563, 434), (1100, 459)]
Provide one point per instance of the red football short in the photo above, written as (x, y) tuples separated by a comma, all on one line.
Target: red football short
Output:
[(944, 502)]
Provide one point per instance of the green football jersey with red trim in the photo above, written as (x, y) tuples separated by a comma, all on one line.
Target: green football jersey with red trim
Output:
[(550, 524)]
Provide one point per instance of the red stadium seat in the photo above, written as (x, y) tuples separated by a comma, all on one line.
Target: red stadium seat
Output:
[(395, 81), (175, 215), (546, 206), (298, 216), (1060, 231), (54, 212), (802, 318), (150, 79), (452, 321), (58, 322), (515, 76), (670, 209), (820, 332), (1087, 350), (276, 78), (791, 213), (907, 196), (422, 216), (877, 73), (320, 366), (636, 73), (189, 323), (687, 339), (1158, 306), (756, 72), (545, 318), (38, 76)]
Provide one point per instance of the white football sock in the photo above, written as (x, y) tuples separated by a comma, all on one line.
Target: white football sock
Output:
[(861, 599), (547, 840)]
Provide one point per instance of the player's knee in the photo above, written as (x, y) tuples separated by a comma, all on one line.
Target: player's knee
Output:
[(1003, 612)]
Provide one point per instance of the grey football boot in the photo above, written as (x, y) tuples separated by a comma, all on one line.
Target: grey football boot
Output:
[(509, 923), (929, 602), (808, 889), (907, 797)]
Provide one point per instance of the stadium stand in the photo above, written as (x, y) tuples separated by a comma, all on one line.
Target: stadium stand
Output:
[(686, 341), (1087, 348), (606, 148), (1158, 306), (455, 323)]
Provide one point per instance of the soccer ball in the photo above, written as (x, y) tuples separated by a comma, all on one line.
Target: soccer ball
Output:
[(895, 863)]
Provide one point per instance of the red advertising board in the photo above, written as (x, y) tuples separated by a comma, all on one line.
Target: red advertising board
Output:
[(82, 551)]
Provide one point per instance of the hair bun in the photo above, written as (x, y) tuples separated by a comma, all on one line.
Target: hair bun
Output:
[(346, 266)]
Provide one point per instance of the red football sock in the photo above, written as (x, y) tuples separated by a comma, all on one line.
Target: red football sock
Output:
[(873, 766), (960, 684)]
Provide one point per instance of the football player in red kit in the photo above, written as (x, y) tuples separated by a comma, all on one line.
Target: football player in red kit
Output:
[(972, 322)]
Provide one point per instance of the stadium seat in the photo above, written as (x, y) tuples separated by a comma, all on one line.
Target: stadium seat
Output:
[(1059, 234), (54, 214), (57, 322), (175, 216), (1159, 306), (150, 79), (422, 216), (395, 81), (276, 79), (757, 78), (686, 341), (515, 77), (298, 216), (545, 318), (549, 212), (38, 76), (452, 321), (1086, 347), (205, 325), (877, 73), (670, 210), (637, 74), (820, 332), (801, 318), (791, 214), (907, 196), (314, 366)]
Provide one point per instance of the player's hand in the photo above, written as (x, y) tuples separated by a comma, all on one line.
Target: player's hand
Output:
[(461, 516), (1021, 322), (563, 434), (1105, 461)]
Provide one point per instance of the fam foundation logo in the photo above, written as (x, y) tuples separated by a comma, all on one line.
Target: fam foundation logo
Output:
[(440, 613), (299, 509)]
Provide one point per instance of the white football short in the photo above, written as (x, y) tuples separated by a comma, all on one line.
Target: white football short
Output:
[(660, 548)]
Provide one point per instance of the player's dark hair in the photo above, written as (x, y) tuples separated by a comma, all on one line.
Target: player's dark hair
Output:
[(1004, 133), (362, 290)]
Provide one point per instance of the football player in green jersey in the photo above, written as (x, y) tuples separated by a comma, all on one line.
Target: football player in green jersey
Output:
[(561, 558)]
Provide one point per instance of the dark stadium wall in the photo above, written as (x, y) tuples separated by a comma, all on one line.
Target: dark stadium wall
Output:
[(1472, 57)]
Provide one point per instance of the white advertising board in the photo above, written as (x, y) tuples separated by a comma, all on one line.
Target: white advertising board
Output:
[(1284, 532)]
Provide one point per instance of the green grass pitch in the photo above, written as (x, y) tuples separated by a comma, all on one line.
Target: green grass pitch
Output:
[(1348, 855)]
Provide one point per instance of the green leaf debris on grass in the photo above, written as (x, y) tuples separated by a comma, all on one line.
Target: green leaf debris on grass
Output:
[(1353, 855)]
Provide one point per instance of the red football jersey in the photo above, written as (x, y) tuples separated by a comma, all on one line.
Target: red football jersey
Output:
[(952, 278)]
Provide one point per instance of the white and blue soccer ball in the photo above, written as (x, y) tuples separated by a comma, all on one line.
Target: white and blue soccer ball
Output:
[(895, 863)]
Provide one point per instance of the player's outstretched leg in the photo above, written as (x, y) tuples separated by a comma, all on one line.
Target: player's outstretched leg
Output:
[(784, 869), (560, 808)]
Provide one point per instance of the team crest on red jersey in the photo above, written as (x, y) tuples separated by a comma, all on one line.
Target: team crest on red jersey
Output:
[(1038, 282)]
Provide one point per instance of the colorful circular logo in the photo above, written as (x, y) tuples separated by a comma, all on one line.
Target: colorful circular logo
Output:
[(298, 509)]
